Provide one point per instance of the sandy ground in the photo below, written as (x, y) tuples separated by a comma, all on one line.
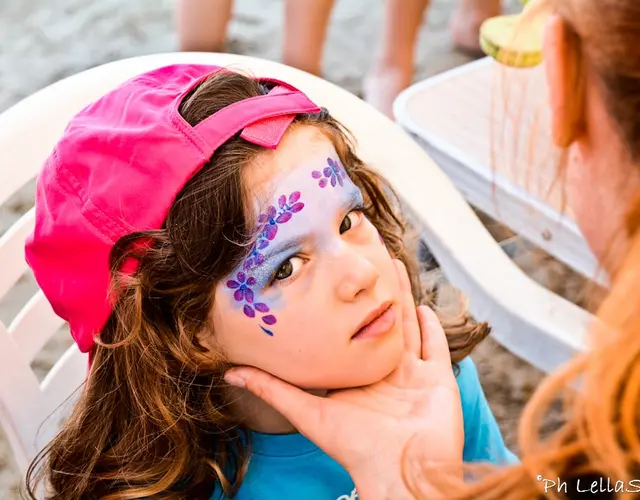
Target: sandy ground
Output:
[(41, 42)]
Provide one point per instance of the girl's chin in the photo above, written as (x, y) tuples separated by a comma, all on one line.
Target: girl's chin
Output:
[(356, 370), (363, 375)]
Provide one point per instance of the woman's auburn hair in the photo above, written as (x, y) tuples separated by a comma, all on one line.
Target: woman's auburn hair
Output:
[(152, 421), (600, 439)]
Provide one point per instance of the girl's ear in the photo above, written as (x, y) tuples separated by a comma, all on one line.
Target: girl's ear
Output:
[(206, 339), (565, 81)]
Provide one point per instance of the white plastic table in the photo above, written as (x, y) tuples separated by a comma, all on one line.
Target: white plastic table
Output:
[(487, 127)]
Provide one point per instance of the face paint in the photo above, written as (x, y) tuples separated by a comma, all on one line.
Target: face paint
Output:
[(334, 173), (322, 205), (245, 282), (279, 239)]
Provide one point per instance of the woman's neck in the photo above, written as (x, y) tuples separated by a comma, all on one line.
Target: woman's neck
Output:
[(257, 415)]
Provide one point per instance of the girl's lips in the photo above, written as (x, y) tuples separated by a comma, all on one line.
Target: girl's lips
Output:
[(379, 325)]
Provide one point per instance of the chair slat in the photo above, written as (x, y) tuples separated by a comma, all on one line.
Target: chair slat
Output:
[(66, 376), (34, 325), (60, 390), (21, 401), (12, 261), (22, 155)]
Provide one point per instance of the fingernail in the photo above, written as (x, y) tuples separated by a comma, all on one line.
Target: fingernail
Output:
[(235, 379)]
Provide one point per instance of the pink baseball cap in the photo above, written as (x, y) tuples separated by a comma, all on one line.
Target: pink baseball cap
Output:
[(118, 168)]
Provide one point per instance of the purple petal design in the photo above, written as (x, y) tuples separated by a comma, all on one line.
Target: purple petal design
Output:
[(322, 183), (270, 319), (295, 196), (327, 171), (296, 207), (283, 217), (333, 180), (336, 165), (248, 311), (266, 331), (270, 231), (340, 180), (268, 224), (316, 174), (260, 307)]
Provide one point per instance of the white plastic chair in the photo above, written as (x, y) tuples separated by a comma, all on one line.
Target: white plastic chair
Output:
[(528, 319)]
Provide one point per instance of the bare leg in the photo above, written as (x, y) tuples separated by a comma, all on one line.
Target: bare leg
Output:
[(393, 67), (304, 34), (202, 24), (466, 21)]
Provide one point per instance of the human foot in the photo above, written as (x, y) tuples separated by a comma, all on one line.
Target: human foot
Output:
[(466, 21), (382, 87)]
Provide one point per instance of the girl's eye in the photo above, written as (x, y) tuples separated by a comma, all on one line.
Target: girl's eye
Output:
[(352, 219), (287, 269)]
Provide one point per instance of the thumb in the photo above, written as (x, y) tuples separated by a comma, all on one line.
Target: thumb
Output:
[(302, 409)]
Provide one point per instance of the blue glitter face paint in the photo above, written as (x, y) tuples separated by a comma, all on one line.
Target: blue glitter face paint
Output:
[(245, 281), (350, 198), (294, 223), (274, 256), (302, 232)]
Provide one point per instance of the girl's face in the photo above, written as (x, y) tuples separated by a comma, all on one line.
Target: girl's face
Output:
[(318, 272)]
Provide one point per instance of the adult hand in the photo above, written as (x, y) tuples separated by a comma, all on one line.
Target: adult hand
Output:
[(374, 431)]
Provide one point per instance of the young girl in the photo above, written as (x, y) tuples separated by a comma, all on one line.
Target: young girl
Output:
[(194, 219)]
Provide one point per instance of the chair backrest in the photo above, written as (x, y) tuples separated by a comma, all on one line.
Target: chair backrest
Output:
[(535, 319), (27, 406)]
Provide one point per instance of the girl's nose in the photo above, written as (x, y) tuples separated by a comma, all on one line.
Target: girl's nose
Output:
[(357, 277)]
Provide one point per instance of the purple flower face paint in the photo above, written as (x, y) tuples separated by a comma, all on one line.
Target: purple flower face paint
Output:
[(243, 284), (316, 272), (270, 221), (334, 173), (281, 225)]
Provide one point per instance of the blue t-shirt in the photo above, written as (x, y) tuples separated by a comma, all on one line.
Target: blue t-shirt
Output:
[(289, 466)]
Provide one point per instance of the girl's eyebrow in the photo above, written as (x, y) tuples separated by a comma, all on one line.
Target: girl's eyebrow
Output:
[(353, 198), (284, 246), (349, 201)]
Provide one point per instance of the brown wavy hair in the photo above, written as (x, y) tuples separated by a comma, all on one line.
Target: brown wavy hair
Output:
[(152, 420), (600, 439)]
